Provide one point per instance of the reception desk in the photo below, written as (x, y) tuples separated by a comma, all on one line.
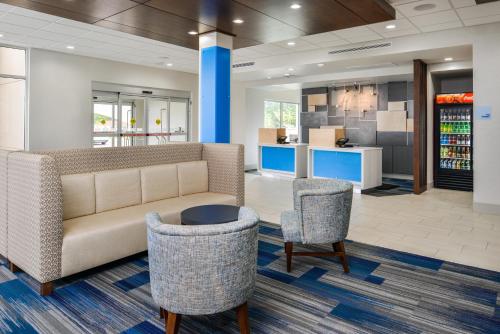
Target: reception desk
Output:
[(360, 165), (283, 159)]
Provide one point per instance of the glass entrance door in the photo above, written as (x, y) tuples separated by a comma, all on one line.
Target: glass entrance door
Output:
[(178, 117), (133, 120), (158, 121)]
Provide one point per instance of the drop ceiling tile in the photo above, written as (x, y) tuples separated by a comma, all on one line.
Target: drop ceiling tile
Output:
[(37, 42), (10, 37), (24, 21), (268, 49), (409, 10), (5, 27), (330, 44), (300, 45), (463, 3), (487, 9), (6, 8), (51, 36), (248, 53), (65, 29), (358, 34), (401, 24), (34, 14), (361, 39), (442, 26), (400, 32), (482, 20), (321, 38), (435, 18)]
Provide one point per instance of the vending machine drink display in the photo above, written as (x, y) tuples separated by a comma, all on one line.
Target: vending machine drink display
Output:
[(453, 141)]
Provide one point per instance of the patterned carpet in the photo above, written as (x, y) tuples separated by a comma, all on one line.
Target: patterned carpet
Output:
[(386, 292)]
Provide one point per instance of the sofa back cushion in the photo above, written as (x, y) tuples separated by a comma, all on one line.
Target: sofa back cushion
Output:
[(159, 182), (193, 177), (117, 189), (78, 195)]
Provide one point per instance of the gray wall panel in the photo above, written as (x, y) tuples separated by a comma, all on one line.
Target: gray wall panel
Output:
[(387, 159), (397, 91), (383, 97), (391, 138), (402, 159)]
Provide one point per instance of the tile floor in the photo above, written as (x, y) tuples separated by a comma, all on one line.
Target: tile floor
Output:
[(439, 223)]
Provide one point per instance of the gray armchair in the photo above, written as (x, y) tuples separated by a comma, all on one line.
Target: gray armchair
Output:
[(322, 210), (205, 269)]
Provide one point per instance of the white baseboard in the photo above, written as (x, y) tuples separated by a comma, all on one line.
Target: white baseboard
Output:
[(251, 167), (487, 208)]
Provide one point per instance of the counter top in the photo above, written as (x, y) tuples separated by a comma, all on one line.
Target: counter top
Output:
[(345, 149), (284, 145)]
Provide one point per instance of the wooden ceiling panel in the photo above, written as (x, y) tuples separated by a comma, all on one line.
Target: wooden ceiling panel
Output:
[(51, 10), (257, 27), (95, 8), (315, 16), (265, 21), (162, 23)]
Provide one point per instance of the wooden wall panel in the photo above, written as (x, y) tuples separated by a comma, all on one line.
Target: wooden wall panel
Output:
[(420, 127)]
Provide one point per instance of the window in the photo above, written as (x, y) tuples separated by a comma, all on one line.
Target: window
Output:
[(282, 115), (12, 97)]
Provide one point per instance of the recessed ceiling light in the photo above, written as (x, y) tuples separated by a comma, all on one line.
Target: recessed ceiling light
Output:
[(321, 65), (424, 7), (390, 26), (238, 21), (192, 32), (291, 43), (295, 6), (448, 59), (286, 74), (291, 69), (70, 47), (1, 35), (269, 78), (170, 64)]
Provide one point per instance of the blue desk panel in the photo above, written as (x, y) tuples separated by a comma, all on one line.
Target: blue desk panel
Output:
[(337, 165), (278, 158)]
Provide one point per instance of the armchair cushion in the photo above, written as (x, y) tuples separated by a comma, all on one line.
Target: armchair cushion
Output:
[(159, 182), (78, 195), (290, 226), (193, 177), (117, 189)]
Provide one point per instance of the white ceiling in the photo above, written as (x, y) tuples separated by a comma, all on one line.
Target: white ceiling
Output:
[(28, 28)]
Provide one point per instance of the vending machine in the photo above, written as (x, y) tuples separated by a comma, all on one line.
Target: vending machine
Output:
[(453, 138)]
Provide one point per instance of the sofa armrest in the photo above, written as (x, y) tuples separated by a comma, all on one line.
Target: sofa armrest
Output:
[(35, 220), (226, 170)]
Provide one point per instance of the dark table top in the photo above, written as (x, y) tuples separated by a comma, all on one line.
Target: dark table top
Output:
[(210, 214)]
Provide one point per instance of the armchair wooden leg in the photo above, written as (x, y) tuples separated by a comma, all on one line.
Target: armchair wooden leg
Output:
[(339, 247), (289, 253), (13, 268), (172, 323), (242, 313), (46, 288), (162, 313)]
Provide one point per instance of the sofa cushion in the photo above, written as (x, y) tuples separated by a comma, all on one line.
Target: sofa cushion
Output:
[(117, 189), (78, 195), (193, 177), (97, 239), (159, 182)]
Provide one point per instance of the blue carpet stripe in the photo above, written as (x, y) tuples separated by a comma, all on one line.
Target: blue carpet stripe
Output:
[(386, 292)]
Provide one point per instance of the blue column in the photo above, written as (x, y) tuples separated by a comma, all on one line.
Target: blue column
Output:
[(215, 88)]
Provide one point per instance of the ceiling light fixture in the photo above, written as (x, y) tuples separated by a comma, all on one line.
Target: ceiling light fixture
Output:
[(286, 74), (192, 32), (390, 26), (295, 6), (1, 35), (448, 59), (291, 69), (269, 78), (424, 7), (169, 64), (70, 47), (321, 65), (238, 21), (290, 43)]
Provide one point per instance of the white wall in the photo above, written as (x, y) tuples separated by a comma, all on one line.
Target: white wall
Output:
[(254, 117), (12, 92), (60, 113), (486, 66)]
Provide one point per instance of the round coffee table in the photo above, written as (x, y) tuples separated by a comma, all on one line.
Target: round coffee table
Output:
[(210, 214)]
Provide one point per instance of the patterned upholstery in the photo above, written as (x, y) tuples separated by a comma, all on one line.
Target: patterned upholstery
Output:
[(226, 171), (322, 210), (204, 269), (35, 220), (3, 202), (35, 206)]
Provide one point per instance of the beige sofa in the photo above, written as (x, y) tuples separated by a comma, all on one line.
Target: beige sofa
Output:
[(67, 211)]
